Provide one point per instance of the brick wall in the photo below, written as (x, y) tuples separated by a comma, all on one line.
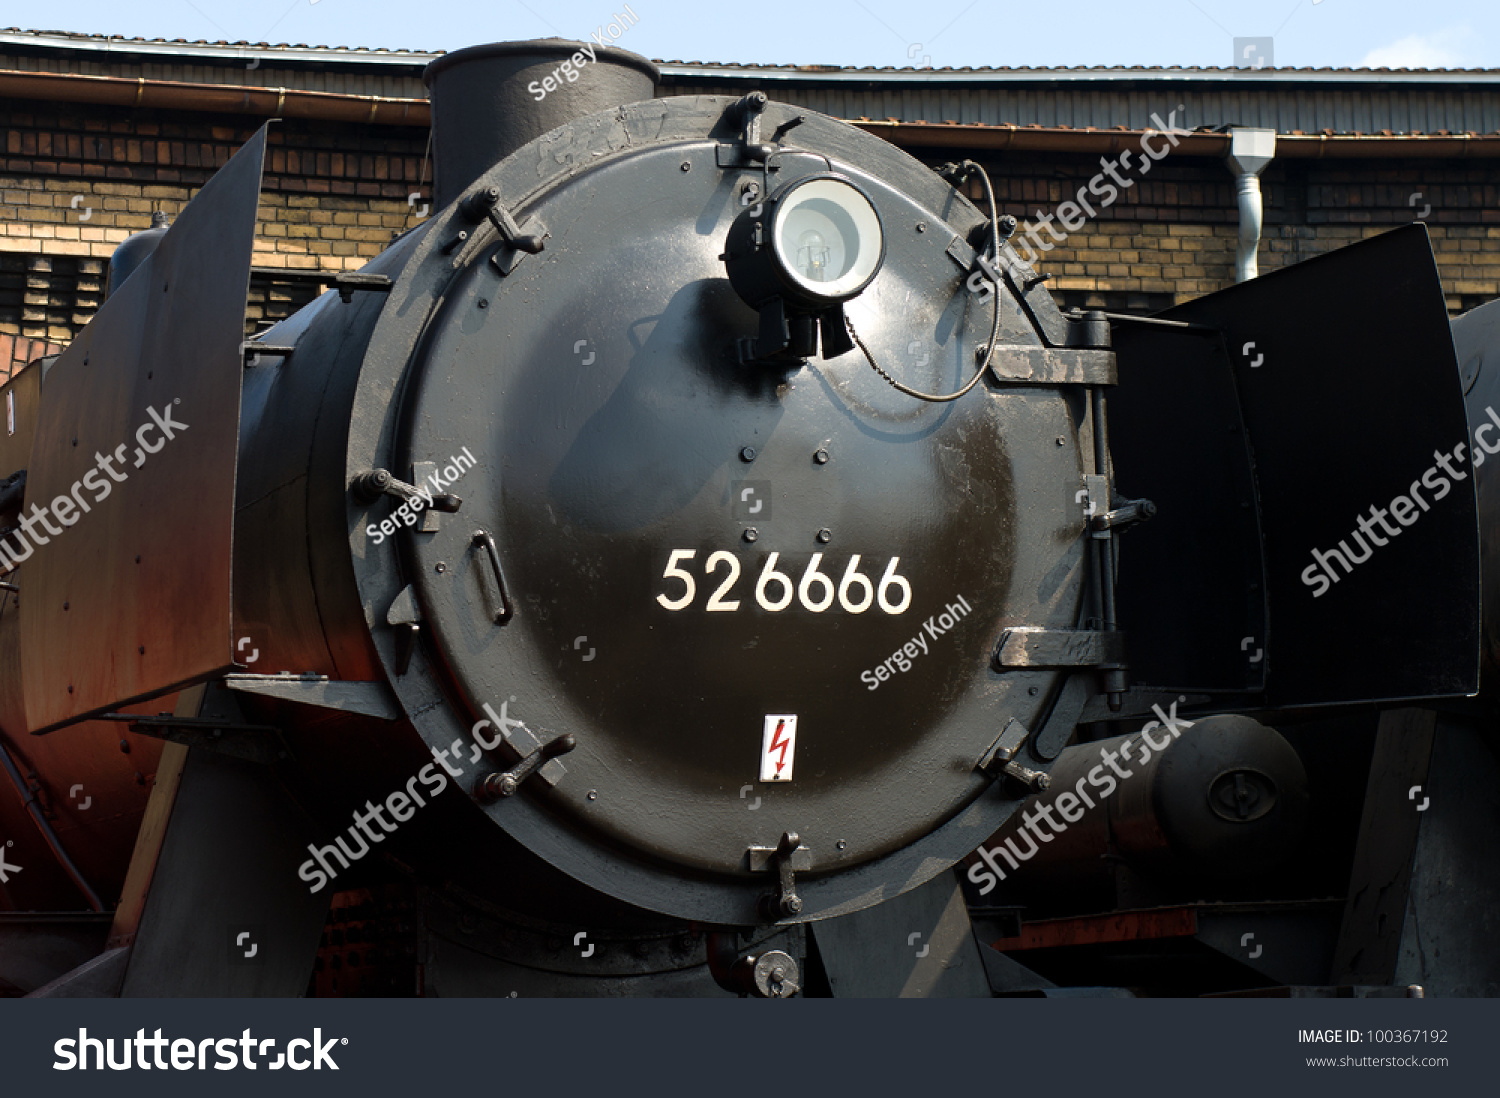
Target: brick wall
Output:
[(1172, 236), (18, 351), (75, 180)]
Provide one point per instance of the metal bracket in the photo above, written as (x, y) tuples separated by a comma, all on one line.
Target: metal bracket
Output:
[(1030, 647), (999, 760), (1098, 496), (785, 859), (403, 617), (422, 471), (250, 349), (257, 743), (348, 281), (508, 783), (750, 150), (368, 699), (1053, 366)]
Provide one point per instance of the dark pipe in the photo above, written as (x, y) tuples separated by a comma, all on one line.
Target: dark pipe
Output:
[(483, 110), (28, 798)]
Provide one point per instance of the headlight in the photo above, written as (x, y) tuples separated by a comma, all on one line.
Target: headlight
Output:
[(814, 244)]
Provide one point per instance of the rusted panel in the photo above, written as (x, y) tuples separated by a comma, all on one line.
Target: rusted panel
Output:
[(130, 595), (1129, 926)]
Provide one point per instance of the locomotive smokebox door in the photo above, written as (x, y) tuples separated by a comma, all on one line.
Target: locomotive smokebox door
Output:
[(763, 601), (1323, 404)]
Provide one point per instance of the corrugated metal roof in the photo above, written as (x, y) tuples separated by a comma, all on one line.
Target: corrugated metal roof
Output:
[(361, 55), (1310, 101), (223, 51)]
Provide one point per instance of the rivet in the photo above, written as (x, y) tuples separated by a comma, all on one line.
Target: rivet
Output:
[(75, 442), (1061, 441), (138, 560), (593, 794), (1032, 691), (747, 454), (70, 690), (150, 374), (841, 844), (821, 457), (65, 606), (825, 535), (686, 166), (440, 568), (921, 226), (750, 534), (484, 303), (143, 649)]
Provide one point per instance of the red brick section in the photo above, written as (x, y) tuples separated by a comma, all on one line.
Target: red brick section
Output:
[(80, 141), (17, 352)]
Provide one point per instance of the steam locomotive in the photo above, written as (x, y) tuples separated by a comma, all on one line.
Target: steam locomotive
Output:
[(713, 499)]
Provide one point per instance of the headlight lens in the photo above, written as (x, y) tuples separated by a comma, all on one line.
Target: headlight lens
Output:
[(827, 238)]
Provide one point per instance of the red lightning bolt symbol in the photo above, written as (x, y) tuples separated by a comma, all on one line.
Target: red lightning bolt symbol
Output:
[(777, 741)]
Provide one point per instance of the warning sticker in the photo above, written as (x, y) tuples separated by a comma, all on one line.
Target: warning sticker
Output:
[(778, 747)]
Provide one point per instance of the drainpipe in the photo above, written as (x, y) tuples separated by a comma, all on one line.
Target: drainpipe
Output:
[(1249, 152)]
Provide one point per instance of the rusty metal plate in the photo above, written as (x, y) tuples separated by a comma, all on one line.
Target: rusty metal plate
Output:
[(131, 596)]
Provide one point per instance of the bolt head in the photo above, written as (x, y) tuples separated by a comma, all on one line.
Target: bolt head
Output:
[(825, 535), (821, 457), (750, 534), (747, 454)]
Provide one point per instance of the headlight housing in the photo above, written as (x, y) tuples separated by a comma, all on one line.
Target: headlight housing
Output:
[(797, 257)]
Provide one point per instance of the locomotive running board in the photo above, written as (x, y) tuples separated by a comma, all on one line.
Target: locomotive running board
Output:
[(1293, 405), (132, 599)]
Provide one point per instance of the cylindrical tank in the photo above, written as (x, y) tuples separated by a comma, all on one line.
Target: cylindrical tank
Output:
[(488, 101), (133, 251), (1225, 797)]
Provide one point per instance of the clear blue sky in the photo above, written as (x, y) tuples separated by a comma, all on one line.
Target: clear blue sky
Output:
[(1433, 33)]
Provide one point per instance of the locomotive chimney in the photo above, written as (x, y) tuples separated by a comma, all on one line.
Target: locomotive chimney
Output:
[(488, 101)]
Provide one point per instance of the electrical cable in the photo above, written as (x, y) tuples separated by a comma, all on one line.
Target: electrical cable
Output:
[(989, 347)]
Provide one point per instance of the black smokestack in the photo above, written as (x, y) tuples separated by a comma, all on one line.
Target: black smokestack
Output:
[(488, 101)]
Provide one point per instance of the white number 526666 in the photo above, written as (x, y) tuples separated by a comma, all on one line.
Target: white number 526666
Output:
[(775, 590)]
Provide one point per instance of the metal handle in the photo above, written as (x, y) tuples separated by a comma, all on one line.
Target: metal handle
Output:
[(369, 487), (484, 538), (507, 783)]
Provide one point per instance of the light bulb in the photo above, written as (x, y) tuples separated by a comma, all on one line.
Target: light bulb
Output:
[(812, 256)]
